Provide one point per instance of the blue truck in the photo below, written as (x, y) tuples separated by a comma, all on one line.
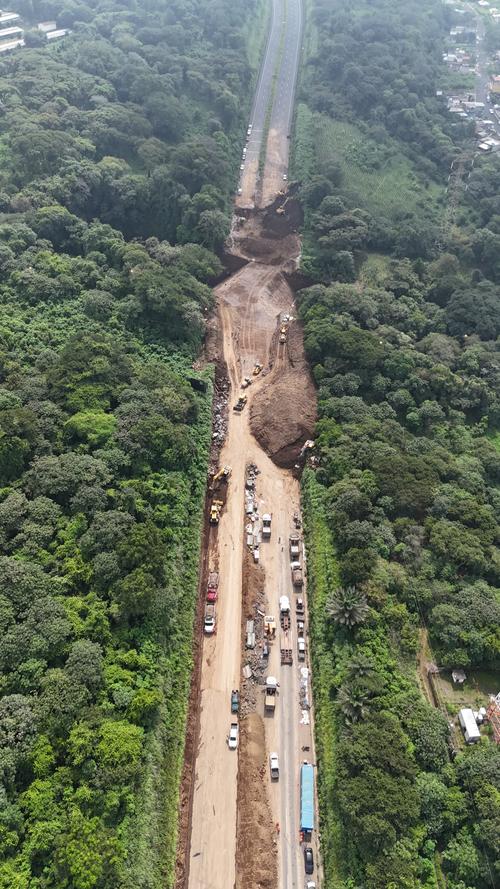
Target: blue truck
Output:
[(307, 798)]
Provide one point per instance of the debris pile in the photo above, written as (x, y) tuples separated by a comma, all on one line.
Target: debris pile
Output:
[(252, 527), (219, 424)]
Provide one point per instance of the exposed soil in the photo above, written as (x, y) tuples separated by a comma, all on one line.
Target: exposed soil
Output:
[(256, 854), (283, 413)]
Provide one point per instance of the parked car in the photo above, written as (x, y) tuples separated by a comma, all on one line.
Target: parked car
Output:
[(232, 738), (235, 700), (308, 860), (274, 766)]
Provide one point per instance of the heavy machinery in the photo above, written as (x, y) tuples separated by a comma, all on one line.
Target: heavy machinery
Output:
[(294, 544), (257, 369), (215, 511), (246, 382), (240, 404), (221, 477)]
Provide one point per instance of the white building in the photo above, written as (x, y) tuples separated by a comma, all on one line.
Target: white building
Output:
[(469, 726), (55, 35)]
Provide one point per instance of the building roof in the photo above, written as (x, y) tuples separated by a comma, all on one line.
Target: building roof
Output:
[(11, 32), (469, 723), (60, 32), (8, 17)]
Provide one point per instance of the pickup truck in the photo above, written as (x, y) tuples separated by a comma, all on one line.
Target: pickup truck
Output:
[(274, 766), (232, 738), (209, 623), (235, 700)]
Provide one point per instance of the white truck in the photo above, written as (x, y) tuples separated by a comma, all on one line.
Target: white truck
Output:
[(294, 543), (301, 648), (271, 692), (232, 738), (266, 526), (274, 766), (209, 623)]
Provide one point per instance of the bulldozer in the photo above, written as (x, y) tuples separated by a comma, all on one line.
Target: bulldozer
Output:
[(215, 511)]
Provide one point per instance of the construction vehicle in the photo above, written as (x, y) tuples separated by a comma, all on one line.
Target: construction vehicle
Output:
[(297, 577), (212, 586), (246, 382), (257, 369), (294, 544), (222, 476), (286, 647), (301, 648), (266, 526), (271, 692), (270, 626), (235, 700), (215, 511), (209, 622), (283, 335), (240, 404), (301, 627), (299, 607)]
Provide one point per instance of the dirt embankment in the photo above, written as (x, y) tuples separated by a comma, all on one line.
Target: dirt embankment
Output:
[(256, 857), (283, 412)]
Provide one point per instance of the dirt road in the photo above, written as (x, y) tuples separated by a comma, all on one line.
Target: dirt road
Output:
[(251, 306)]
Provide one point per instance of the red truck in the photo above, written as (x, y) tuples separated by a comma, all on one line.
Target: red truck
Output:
[(212, 586)]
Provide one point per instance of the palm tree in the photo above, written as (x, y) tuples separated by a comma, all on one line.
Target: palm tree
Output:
[(347, 606), (353, 701)]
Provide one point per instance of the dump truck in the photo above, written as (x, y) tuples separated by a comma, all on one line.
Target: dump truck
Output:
[(271, 692), (215, 511), (301, 648), (240, 404), (286, 647), (297, 576), (299, 607), (209, 623), (266, 526), (294, 544), (212, 586)]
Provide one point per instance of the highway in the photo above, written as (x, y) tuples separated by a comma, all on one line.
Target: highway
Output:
[(280, 64), (248, 303)]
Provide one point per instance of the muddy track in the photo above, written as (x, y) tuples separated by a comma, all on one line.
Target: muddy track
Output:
[(227, 800)]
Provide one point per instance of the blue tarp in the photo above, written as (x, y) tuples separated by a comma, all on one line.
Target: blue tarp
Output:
[(307, 797)]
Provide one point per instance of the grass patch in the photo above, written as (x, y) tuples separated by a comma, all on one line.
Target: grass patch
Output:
[(494, 437), (322, 577), (376, 176), (255, 32), (302, 160)]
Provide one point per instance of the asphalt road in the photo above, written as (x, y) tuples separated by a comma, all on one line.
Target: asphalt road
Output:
[(282, 59)]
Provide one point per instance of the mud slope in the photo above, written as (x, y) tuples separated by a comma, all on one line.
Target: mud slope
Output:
[(283, 412)]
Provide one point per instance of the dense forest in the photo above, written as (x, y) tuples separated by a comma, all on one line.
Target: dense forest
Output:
[(403, 515), (116, 149)]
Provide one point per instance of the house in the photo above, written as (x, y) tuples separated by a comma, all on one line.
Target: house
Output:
[(47, 26), (8, 19), (469, 726), (55, 35), (8, 35), (495, 85)]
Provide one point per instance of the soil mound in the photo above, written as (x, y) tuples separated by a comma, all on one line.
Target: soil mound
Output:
[(256, 855), (283, 411)]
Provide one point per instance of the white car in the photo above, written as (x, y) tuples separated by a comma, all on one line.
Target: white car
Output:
[(274, 766), (232, 738), (240, 191), (242, 167), (285, 177), (310, 884)]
